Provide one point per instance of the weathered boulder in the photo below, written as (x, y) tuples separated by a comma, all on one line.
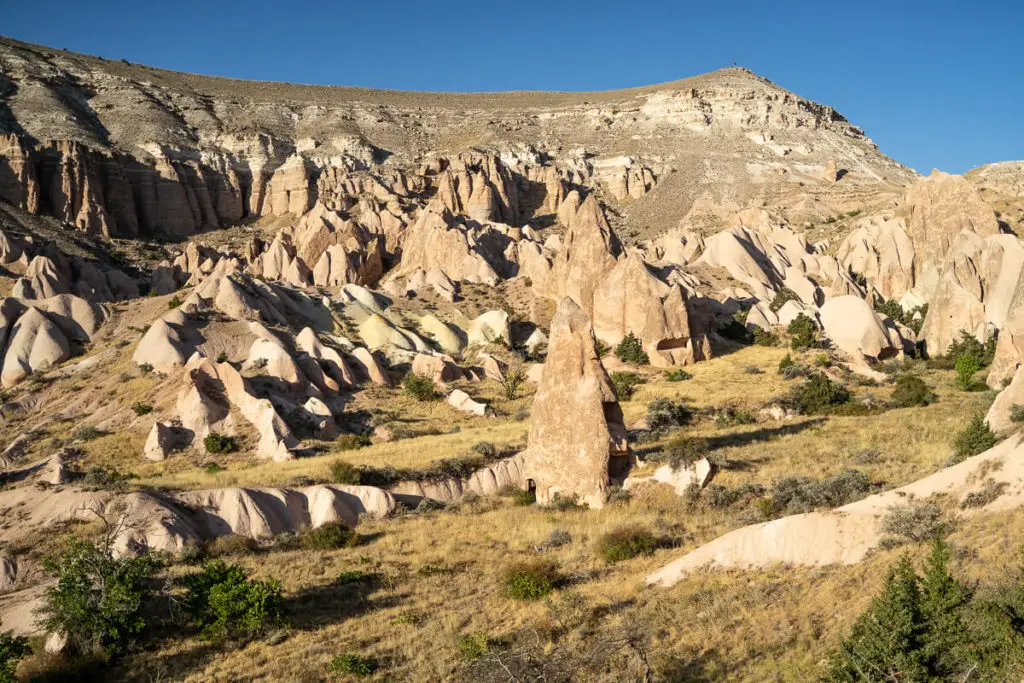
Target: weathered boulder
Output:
[(161, 347), (851, 324), (998, 416), (490, 327), (163, 438), (463, 402)]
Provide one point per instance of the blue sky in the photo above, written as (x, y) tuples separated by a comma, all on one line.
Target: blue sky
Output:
[(935, 84)]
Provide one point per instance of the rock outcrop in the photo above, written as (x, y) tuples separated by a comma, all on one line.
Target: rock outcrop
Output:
[(577, 437)]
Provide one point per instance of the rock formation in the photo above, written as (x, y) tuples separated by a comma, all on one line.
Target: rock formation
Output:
[(577, 438)]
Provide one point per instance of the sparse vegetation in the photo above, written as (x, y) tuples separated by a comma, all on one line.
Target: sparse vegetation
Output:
[(625, 543), (420, 388), (512, 380), (819, 394), (349, 664), (142, 408), (625, 384), (174, 302), (975, 438), (803, 333), (677, 375), (223, 602), (329, 536), (12, 650), (782, 297), (664, 413), (219, 443), (917, 521), (911, 391), (530, 580), (630, 350)]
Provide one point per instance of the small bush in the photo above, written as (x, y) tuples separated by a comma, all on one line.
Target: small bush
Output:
[(630, 350), (523, 497), (560, 503), (819, 394), (753, 370), (625, 384), (916, 520), (626, 543), (966, 367), (223, 602), (796, 495), (142, 408), (663, 413), (679, 375), (231, 544), (474, 646), (782, 297), (786, 363), (351, 442), (803, 333), (485, 449), (354, 665), (728, 416), (530, 580), (558, 538), (1017, 413), (968, 345), (12, 649), (975, 438), (352, 577), (329, 536), (988, 493), (510, 382), (212, 468), (174, 302), (219, 443), (734, 330), (100, 477), (87, 433), (765, 338), (682, 450), (345, 473), (420, 388), (222, 357), (145, 368), (911, 391)]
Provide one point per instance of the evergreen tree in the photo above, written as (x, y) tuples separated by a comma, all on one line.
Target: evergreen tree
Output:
[(942, 605), (888, 642)]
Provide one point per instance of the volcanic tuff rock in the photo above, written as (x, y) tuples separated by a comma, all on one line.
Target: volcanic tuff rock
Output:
[(577, 436)]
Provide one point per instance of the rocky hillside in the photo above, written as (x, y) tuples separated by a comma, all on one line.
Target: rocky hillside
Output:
[(122, 149), (427, 358)]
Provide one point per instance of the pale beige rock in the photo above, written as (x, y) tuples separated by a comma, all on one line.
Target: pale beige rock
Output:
[(682, 479), (161, 347), (463, 402), (998, 416), (854, 327), (163, 439), (490, 327), (35, 344), (367, 366), (8, 573), (449, 338), (576, 424)]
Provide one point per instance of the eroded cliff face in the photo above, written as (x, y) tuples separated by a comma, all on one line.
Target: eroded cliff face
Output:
[(124, 150)]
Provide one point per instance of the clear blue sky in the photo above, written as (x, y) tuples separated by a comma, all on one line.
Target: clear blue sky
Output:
[(935, 84)]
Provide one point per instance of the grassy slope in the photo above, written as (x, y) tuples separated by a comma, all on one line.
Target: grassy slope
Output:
[(771, 625)]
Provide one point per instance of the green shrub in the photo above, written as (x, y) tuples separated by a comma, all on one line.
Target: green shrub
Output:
[(351, 442), (231, 544), (329, 536), (530, 580), (729, 415), (625, 384), (765, 337), (796, 495), (988, 493), (223, 602), (891, 309), (602, 349), (782, 297), (682, 450), (968, 345), (100, 477), (474, 646), (420, 388), (519, 496), (1017, 413), (345, 473), (12, 649), (678, 375), (354, 665), (222, 357), (174, 302), (142, 408), (975, 438), (87, 433), (560, 503), (352, 577), (819, 394), (915, 520), (663, 413), (219, 443), (485, 449), (911, 391), (212, 468), (625, 543), (803, 333), (786, 363), (510, 382), (966, 366), (145, 368), (99, 600), (630, 350)]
